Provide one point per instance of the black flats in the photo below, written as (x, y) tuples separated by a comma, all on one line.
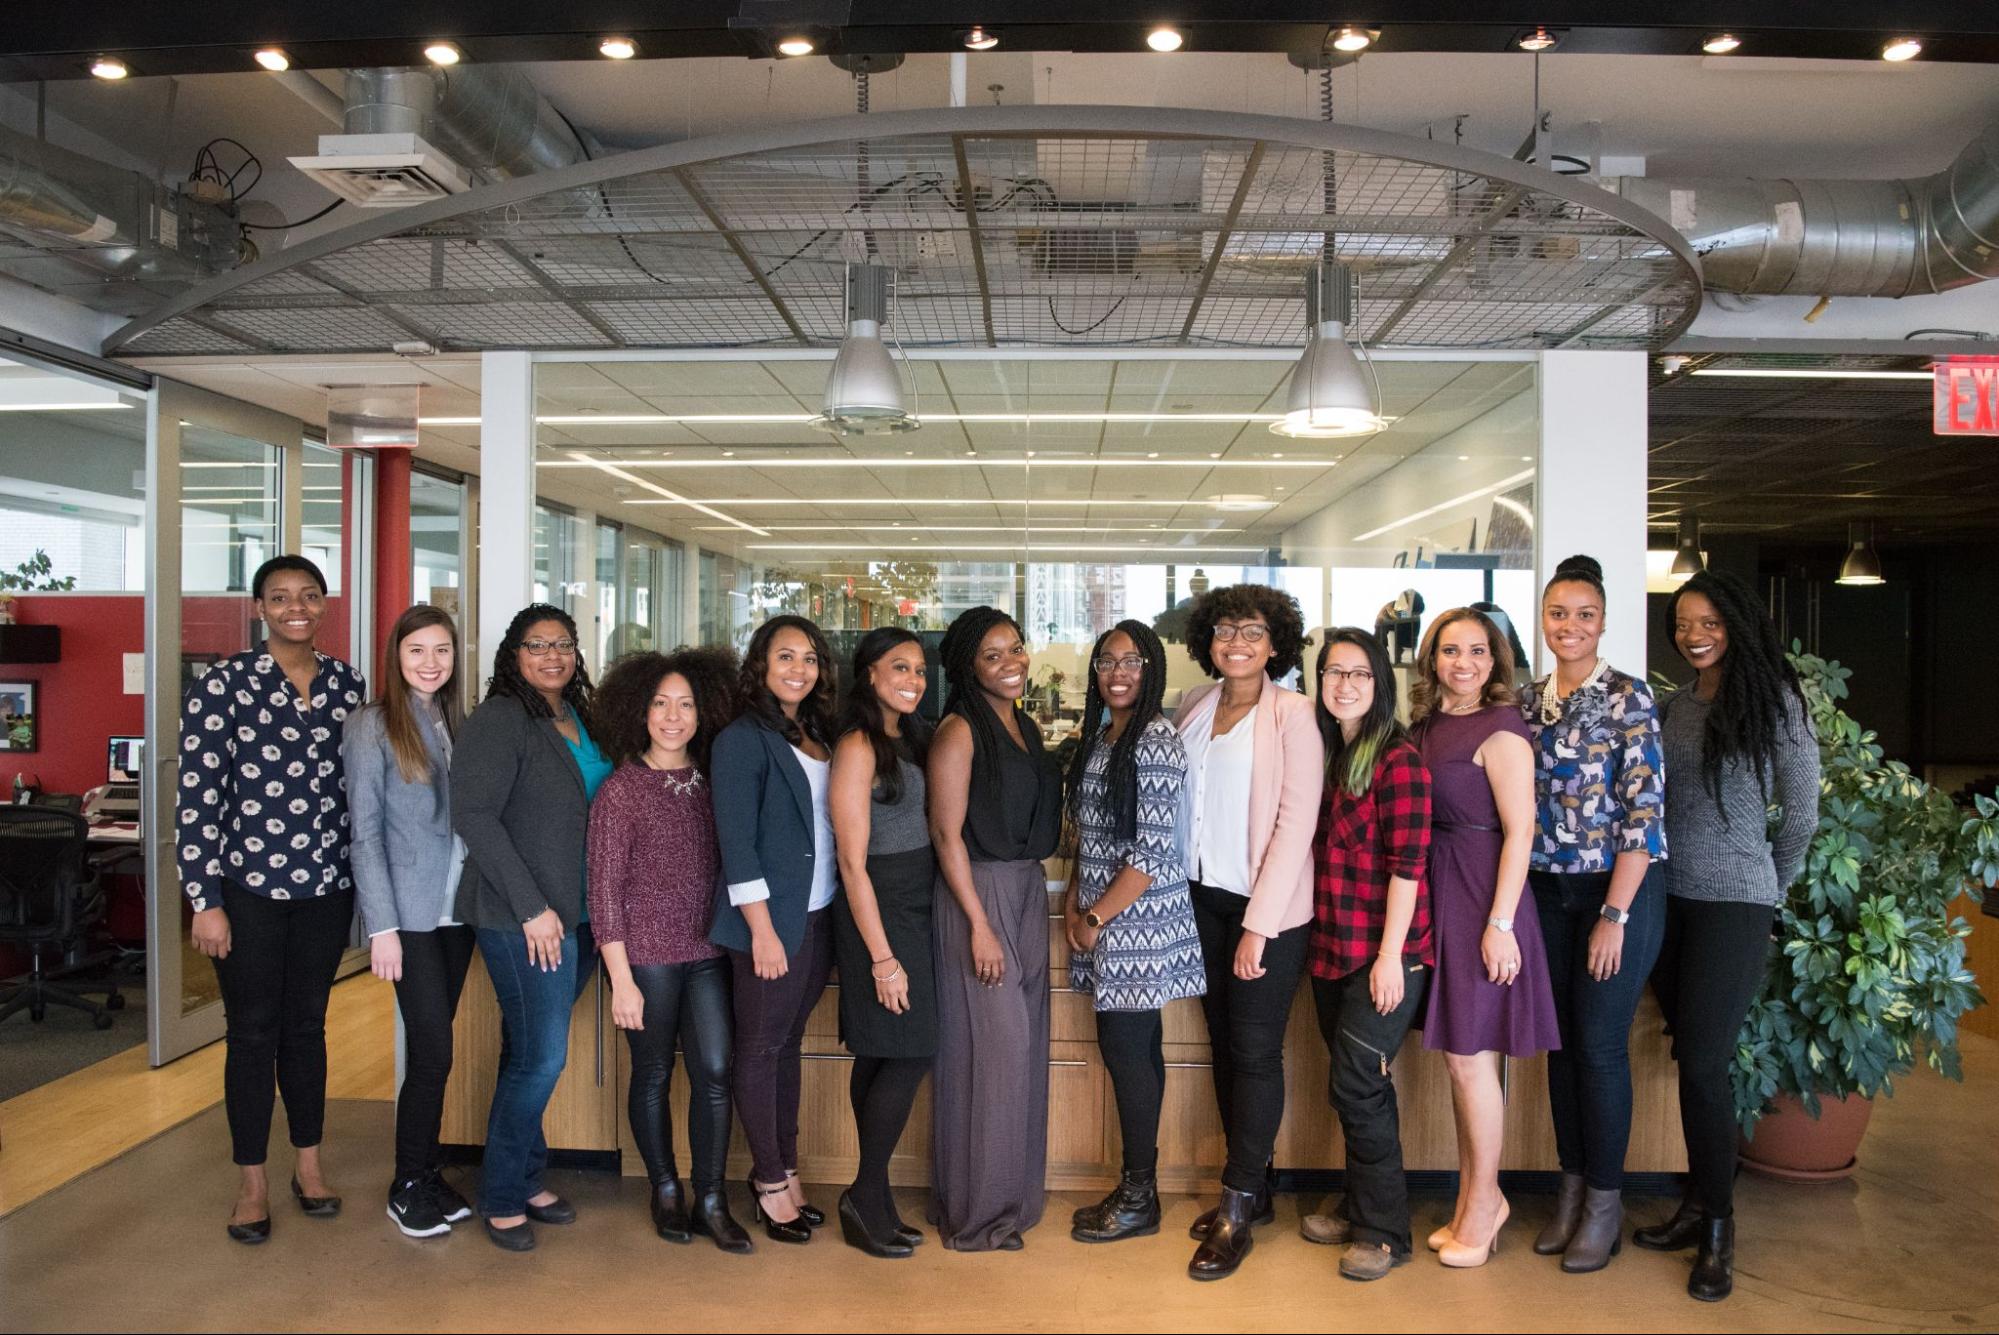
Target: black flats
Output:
[(319, 1207), (519, 1238), (557, 1211), (858, 1236), (252, 1233)]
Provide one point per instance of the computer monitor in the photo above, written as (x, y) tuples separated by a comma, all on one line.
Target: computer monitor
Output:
[(127, 754)]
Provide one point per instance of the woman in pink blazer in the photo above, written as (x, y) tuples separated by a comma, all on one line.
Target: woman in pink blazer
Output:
[(1256, 769)]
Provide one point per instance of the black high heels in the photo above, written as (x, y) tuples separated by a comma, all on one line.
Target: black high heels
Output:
[(855, 1231), (319, 1207), (777, 1230), (811, 1214), (710, 1217)]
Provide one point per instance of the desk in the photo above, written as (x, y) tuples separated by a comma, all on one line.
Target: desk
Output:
[(114, 834)]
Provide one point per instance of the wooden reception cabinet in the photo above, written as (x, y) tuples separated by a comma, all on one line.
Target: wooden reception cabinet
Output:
[(588, 1111)]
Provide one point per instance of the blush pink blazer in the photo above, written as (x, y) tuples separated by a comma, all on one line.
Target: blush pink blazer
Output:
[(1287, 781)]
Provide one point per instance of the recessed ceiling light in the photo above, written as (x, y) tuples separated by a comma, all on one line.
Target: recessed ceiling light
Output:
[(978, 39), (1720, 43), (618, 48), (443, 53), (109, 67), (1350, 38), (797, 45), (1902, 48), (1538, 40), (274, 59), (1464, 458), (1164, 39)]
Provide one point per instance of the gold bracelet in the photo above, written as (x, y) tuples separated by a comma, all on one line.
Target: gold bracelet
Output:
[(893, 974)]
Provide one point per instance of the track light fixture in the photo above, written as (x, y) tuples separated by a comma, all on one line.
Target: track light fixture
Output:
[(1353, 39), (274, 59), (1720, 43), (109, 67), (978, 39), (443, 53), (618, 48), (1538, 40), (1902, 48), (1164, 39)]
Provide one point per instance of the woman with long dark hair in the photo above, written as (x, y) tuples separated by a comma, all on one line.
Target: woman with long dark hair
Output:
[(407, 865), (1371, 944), (772, 771), (995, 813), (1737, 741), (522, 775), (1127, 914), (1490, 996), (1600, 807), (654, 862), (882, 921)]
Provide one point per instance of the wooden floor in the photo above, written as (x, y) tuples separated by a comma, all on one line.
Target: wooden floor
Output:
[(51, 1135)]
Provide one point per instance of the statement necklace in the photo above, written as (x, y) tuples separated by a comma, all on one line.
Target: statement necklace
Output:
[(1552, 704), (679, 787)]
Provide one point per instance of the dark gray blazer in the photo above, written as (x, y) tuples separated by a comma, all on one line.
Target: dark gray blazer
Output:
[(517, 801), (402, 844), (764, 823)]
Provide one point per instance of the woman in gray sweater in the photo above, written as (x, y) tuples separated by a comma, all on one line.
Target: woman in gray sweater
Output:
[(1742, 792)]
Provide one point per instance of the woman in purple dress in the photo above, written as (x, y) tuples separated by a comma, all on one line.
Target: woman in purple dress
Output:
[(1491, 998)]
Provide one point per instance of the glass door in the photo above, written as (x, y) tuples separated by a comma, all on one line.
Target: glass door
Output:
[(225, 492)]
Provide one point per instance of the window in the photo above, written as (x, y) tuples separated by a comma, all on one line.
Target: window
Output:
[(72, 480)]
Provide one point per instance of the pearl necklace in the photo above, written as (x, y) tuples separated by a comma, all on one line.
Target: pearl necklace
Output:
[(1552, 703)]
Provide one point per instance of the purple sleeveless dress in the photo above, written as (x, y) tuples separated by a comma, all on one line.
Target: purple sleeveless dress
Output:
[(1468, 1013)]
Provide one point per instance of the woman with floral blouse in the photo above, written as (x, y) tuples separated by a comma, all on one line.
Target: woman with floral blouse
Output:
[(1600, 792)]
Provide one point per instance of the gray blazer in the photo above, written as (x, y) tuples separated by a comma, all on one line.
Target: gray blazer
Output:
[(403, 845), (517, 800)]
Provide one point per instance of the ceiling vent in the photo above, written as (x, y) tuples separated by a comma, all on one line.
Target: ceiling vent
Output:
[(383, 171)]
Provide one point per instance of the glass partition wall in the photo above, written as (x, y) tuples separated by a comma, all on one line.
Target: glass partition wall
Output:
[(1074, 493)]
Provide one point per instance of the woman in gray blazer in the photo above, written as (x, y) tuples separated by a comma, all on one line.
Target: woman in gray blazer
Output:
[(522, 776), (406, 869)]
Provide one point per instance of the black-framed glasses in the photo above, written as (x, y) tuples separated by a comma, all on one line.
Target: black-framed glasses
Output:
[(1338, 676), (1130, 663), (543, 648), (1253, 633)]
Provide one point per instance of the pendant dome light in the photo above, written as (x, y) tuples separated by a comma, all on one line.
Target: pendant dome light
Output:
[(1330, 396), (863, 390), (1862, 564), (1687, 560)]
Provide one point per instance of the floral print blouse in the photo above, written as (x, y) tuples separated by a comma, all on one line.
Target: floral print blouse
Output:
[(1600, 775)]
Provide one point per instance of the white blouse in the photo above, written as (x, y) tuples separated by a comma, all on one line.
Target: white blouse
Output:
[(825, 857), (1220, 768)]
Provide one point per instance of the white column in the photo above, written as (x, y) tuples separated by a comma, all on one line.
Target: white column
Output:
[(690, 593), (1591, 485), (506, 496)]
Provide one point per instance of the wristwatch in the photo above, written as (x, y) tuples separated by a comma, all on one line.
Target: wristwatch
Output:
[(1612, 913), (1092, 921), (1503, 924)]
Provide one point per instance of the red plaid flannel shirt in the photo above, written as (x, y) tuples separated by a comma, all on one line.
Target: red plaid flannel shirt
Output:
[(1361, 842)]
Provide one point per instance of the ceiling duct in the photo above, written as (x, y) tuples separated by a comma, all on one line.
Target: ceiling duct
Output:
[(1838, 238)]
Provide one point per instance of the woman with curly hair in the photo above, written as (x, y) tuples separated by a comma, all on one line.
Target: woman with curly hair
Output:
[(653, 868), (771, 771), (995, 813), (1257, 768), (523, 772), (1737, 742), (1490, 996)]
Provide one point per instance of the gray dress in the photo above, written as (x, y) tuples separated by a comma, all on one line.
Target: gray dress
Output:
[(902, 869)]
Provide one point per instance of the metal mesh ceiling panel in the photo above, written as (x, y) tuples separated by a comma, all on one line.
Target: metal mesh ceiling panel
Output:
[(1039, 227)]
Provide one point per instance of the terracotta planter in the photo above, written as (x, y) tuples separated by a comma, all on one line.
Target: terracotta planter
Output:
[(1793, 1146)]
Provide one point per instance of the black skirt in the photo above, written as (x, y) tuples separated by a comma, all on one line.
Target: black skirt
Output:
[(903, 887)]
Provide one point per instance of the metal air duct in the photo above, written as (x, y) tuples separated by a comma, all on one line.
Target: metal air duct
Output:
[(490, 118)]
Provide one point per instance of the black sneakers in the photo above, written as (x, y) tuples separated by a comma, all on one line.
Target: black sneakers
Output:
[(455, 1208), (416, 1209)]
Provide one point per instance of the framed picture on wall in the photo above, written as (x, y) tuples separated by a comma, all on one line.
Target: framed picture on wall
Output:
[(20, 723)]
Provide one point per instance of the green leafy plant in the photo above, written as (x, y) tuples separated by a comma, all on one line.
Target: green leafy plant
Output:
[(1870, 978), (32, 576)]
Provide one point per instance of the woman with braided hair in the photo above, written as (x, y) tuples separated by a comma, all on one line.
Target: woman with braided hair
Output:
[(1129, 919), (1737, 742), (995, 812)]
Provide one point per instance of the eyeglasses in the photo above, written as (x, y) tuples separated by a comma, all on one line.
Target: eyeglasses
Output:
[(1339, 676), (1253, 633), (1130, 663), (543, 648)]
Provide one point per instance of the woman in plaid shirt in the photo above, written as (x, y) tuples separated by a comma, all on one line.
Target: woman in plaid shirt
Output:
[(1370, 943)]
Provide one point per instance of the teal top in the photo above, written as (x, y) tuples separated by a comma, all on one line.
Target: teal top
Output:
[(596, 768)]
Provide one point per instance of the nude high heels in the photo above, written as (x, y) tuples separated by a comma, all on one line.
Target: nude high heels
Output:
[(1460, 1256)]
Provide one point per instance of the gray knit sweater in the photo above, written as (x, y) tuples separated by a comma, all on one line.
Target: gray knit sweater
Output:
[(1729, 850)]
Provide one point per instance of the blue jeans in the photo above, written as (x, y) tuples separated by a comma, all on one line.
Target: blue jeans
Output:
[(534, 1044), (1589, 1077)]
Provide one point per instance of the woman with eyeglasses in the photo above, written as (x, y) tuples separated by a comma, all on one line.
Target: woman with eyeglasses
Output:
[(1127, 914), (1371, 940), (1257, 768), (522, 776)]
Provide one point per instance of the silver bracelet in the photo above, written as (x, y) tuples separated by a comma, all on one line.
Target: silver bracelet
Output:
[(891, 978)]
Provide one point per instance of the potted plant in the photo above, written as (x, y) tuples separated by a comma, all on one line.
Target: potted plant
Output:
[(1869, 979)]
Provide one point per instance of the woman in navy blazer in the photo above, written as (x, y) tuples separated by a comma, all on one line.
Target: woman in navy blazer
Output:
[(770, 774)]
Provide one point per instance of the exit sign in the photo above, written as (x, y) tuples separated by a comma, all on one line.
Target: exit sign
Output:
[(1967, 397)]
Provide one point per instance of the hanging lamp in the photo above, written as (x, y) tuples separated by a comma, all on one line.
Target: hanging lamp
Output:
[(864, 390), (1862, 564), (1330, 394), (1687, 558)]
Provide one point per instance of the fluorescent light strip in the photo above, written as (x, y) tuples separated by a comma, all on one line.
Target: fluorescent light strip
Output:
[(1804, 373), (654, 487), (944, 500), (1442, 506), (801, 419), (880, 549), (244, 464), (975, 528), (848, 461), (59, 407)]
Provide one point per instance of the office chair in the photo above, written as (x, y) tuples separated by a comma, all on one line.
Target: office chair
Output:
[(50, 898)]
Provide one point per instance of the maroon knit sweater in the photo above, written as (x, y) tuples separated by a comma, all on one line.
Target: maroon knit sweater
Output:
[(653, 864)]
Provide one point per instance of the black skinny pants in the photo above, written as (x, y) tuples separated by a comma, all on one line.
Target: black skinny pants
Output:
[(1131, 1042), (1709, 971), (1246, 1020), (282, 956), (434, 965), (688, 1003), (770, 1027)]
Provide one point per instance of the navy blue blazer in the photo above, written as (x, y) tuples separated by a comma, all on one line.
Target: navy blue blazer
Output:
[(764, 823)]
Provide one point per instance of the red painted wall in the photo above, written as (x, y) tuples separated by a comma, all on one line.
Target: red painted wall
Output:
[(81, 700)]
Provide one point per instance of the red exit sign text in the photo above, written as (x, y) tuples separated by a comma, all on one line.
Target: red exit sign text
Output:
[(1967, 397)]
